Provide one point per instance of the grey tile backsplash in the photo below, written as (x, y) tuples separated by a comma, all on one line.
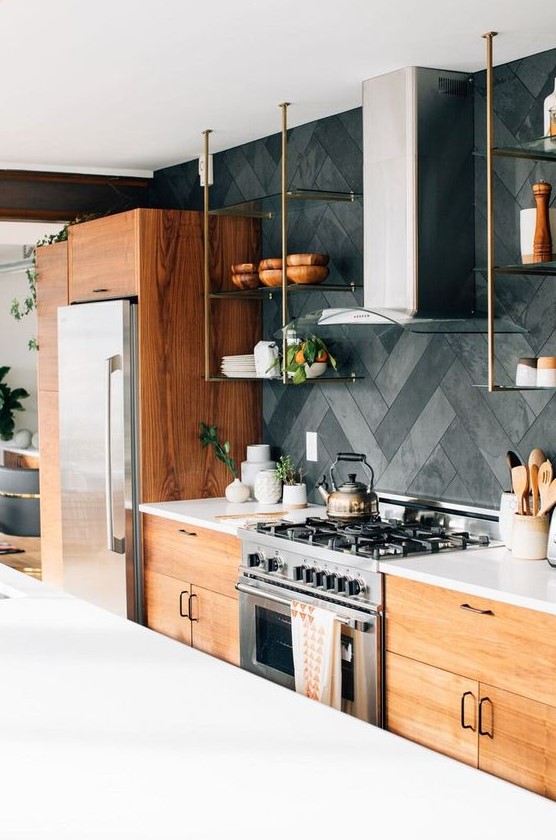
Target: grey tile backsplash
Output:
[(416, 414)]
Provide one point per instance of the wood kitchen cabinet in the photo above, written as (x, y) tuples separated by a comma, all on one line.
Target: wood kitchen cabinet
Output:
[(190, 576), (156, 257), (52, 292), (474, 679)]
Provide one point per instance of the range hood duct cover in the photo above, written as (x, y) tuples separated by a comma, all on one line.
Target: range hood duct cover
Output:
[(419, 248)]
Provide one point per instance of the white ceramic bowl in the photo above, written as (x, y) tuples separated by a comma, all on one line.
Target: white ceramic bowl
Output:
[(316, 369)]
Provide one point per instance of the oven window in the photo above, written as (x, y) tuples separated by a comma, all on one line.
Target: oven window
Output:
[(274, 640)]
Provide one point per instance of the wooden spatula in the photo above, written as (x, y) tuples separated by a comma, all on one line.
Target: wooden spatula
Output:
[(520, 483), (536, 458), (545, 480), (550, 498)]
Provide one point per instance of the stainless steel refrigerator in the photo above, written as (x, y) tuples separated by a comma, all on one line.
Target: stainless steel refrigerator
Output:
[(97, 359)]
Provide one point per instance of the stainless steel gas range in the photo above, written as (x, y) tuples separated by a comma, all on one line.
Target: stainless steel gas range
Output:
[(335, 565)]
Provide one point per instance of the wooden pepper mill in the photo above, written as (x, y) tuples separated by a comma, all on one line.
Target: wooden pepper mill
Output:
[(542, 242)]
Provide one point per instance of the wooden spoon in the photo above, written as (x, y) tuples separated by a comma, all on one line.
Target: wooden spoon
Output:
[(520, 483), (536, 458), (550, 498), (512, 461), (545, 480)]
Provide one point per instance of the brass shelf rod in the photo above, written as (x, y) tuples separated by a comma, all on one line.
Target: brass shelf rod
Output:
[(206, 256), (490, 209)]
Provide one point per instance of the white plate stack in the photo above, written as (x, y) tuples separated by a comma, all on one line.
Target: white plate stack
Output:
[(242, 367)]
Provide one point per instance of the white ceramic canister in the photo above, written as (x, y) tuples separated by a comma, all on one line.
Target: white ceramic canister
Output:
[(258, 452), (527, 224), (549, 102), (268, 488), (546, 372), (508, 507), (250, 470), (530, 537), (526, 372)]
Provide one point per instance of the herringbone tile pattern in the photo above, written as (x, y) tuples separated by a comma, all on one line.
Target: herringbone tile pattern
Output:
[(416, 414)]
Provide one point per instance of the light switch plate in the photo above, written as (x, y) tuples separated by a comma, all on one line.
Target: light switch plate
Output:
[(311, 446)]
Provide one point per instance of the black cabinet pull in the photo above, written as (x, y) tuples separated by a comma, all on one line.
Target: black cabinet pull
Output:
[(191, 608), (476, 610), (99, 291), (481, 730), (186, 533), (182, 613), (465, 725)]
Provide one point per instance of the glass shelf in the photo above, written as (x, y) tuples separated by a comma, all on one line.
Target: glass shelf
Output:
[(351, 378), (390, 318), (265, 208), (545, 268), (543, 148), (517, 388), (268, 292)]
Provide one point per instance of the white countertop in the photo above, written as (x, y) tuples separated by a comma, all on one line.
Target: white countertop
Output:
[(110, 731), (212, 513), (490, 572)]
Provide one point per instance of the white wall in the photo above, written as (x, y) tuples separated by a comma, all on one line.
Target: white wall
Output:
[(14, 352)]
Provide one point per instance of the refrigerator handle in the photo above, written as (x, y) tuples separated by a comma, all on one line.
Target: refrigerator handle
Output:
[(113, 363)]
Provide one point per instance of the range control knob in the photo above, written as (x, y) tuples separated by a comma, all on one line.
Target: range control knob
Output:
[(275, 564), (317, 577), (298, 572), (329, 581), (307, 574), (340, 584), (255, 559), (355, 586)]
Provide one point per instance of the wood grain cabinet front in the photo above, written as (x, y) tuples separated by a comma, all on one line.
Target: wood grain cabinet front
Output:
[(190, 576), (473, 678), (104, 258)]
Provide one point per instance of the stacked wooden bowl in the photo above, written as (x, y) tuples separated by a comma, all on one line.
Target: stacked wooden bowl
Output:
[(270, 272), (245, 275), (307, 268)]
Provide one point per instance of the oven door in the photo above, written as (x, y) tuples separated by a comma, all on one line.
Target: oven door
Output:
[(266, 645)]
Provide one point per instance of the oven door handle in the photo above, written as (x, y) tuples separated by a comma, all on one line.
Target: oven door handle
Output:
[(343, 619)]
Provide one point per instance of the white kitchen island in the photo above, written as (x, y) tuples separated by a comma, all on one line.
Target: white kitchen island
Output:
[(109, 730)]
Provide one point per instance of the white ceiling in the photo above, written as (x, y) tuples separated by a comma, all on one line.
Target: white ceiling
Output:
[(129, 86)]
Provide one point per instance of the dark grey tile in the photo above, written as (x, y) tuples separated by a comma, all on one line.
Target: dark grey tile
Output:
[(434, 476), (405, 355), (418, 445), (354, 420), (471, 466), (414, 396)]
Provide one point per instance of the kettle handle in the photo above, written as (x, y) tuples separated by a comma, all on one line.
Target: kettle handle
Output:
[(351, 456)]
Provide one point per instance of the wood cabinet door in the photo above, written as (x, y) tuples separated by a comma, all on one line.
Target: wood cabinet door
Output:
[(104, 258), (215, 623), (167, 606), (519, 740), (432, 707)]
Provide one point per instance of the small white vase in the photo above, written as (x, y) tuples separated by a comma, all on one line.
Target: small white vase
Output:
[(294, 495), (549, 102), (236, 491), (268, 488)]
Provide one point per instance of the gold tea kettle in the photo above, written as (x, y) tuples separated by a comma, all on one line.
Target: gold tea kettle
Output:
[(353, 500)]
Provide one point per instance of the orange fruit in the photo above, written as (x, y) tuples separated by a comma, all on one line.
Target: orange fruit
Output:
[(322, 356), (299, 357)]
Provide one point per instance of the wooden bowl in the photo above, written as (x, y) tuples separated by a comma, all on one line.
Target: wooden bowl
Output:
[(244, 268), (273, 263), (307, 273), (307, 259), (271, 276), (246, 281)]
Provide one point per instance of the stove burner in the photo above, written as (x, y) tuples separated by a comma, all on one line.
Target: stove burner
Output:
[(374, 538)]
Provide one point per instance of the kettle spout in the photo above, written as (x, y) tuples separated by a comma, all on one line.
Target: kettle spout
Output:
[(322, 487)]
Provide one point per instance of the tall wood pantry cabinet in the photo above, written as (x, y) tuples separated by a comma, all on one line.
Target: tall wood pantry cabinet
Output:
[(155, 256), (473, 678)]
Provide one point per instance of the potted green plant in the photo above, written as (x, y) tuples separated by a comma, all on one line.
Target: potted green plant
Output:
[(9, 402), (294, 491), (208, 435), (308, 358)]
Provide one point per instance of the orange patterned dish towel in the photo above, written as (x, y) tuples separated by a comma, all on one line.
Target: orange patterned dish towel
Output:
[(316, 653)]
